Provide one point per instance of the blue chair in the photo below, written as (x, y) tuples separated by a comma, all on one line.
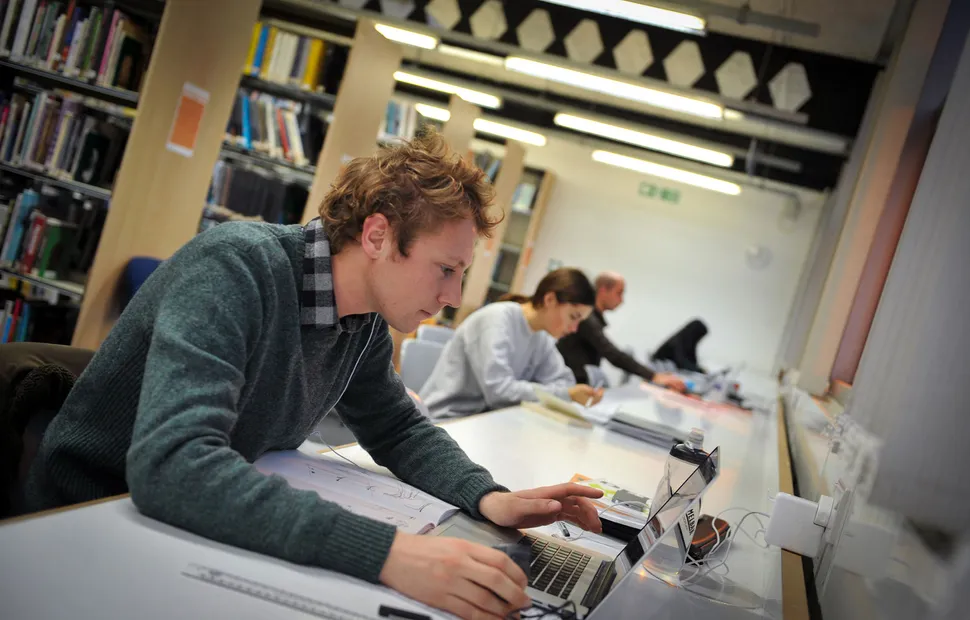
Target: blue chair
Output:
[(136, 272), (435, 333), (418, 358)]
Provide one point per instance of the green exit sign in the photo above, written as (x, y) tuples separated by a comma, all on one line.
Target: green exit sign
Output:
[(667, 194)]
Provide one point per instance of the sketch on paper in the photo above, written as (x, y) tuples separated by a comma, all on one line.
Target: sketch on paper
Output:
[(359, 491)]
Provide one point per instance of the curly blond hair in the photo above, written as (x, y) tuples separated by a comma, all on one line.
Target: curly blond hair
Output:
[(418, 186)]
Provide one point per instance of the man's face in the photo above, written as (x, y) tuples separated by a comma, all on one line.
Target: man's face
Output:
[(411, 289), (613, 296)]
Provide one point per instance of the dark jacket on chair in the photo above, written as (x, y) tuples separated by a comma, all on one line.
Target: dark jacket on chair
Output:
[(35, 378)]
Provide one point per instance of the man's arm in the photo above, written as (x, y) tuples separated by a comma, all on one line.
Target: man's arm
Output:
[(592, 332), (377, 409), (181, 468)]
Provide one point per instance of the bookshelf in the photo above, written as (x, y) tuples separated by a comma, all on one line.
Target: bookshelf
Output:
[(324, 101), (72, 290), (117, 96), (74, 186), (158, 193), (525, 216)]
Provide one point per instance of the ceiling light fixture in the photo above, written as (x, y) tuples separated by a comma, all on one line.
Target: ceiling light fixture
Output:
[(471, 96), (666, 172), (432, 112), (640, 13), (507, 131), (467, 54), (645, 140), (407, 37), (616, 88)]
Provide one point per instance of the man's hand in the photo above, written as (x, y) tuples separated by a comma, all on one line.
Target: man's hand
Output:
[(582, 394), (669, 381), (542, 506), (467, 579)]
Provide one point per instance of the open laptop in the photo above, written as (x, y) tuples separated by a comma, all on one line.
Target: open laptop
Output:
[(563, 571)]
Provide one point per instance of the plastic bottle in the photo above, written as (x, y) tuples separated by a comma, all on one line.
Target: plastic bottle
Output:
[(682, 461)]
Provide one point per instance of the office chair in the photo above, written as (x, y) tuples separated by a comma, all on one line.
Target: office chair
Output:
[(435, 333), (136, 272), (418, 358)]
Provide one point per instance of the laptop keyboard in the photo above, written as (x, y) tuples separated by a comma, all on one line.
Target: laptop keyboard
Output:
[(555, 569)]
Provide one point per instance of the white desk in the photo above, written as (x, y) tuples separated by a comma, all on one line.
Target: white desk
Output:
[(107, 561)]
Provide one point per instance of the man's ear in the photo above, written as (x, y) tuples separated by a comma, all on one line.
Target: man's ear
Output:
[(376, 237)]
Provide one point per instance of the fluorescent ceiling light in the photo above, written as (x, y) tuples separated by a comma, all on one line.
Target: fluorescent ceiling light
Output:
[(655, 143), (407, 37), (666, 172), (484, 126), (506, 131), (616, 88), (471, 96), (461, 52), (433, 112), (733, 115), (641, 13)]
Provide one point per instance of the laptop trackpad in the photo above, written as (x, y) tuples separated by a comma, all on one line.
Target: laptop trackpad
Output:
[(464, 527)]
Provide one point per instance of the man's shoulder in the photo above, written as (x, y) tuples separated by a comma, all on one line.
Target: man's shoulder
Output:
[(261, 241)]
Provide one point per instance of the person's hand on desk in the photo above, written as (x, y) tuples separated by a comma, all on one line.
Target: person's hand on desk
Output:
[(469, 580), (542, 506), (585, 395), (670, 381)]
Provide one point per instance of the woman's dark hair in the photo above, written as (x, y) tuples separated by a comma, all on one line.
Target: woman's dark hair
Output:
[(570, 285), (516, 297)]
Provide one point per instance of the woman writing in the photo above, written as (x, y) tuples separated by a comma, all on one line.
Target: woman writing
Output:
[(502, 352)]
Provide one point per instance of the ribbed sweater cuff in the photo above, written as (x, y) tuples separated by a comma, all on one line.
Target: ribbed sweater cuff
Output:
[(357, 546), (473, 490)]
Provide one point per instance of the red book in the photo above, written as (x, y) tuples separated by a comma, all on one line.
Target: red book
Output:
[(14, 320), (284, 138)]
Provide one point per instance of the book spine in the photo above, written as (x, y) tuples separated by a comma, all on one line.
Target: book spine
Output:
[(23, 30), (5, 30)]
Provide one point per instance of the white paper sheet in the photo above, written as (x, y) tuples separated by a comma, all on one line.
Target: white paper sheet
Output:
[(360, 491)]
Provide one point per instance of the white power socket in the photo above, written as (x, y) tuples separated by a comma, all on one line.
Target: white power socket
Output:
[(798, 524)]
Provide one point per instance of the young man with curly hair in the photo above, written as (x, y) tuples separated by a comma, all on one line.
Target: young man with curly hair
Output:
[(244, 339)]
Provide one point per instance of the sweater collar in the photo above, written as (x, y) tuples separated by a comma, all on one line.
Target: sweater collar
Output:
[(318, 304)]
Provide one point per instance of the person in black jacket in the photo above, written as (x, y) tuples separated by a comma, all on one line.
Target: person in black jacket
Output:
[(589, 344), (681, 348)]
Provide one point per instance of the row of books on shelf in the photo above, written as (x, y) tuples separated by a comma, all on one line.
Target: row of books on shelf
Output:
[(284, 57), (54, 133), (26, 316), (49, 234), (278, 128), (14, 321), (255, 192), (93, 43)]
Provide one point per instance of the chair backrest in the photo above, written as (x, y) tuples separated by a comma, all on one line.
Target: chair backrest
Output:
[(597, 376), (418, 358), (136, 272), (435, 333)]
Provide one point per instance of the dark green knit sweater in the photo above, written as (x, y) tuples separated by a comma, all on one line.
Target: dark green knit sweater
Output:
[(207, 369)]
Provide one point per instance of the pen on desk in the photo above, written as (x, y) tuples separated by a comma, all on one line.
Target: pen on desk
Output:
[(589, 401), (392, 612), (563, 529)]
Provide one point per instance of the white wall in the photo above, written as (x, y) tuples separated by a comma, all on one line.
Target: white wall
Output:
[(680, 261)]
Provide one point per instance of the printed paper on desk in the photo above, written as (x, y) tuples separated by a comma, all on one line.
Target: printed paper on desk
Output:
[(359, 491), (627, 515)]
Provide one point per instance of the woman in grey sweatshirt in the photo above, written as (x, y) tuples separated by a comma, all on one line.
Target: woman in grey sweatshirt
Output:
[(505, 350)]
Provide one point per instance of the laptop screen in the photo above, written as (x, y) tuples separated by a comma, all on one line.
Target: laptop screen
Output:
[(666, 511)]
